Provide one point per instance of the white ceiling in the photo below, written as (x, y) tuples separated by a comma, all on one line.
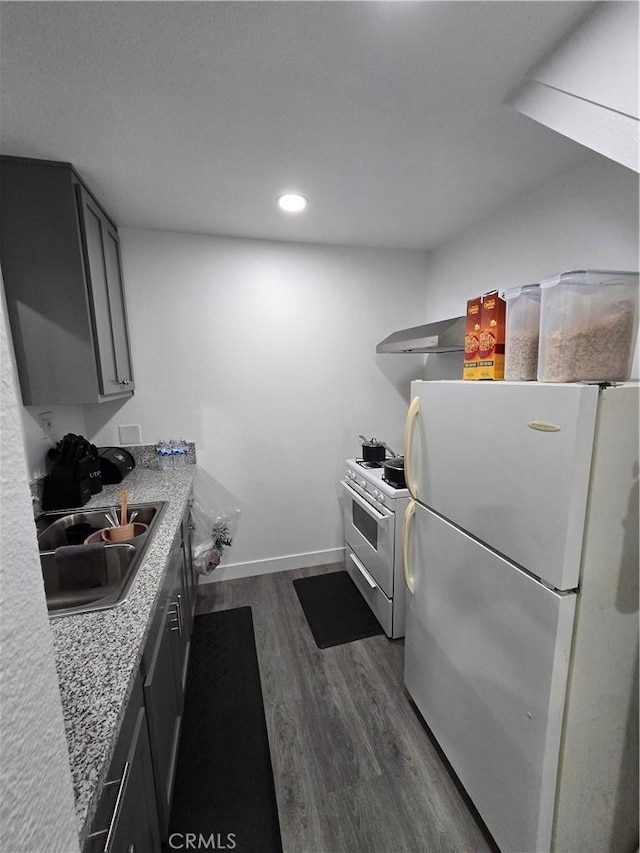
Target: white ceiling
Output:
[(389, 116)]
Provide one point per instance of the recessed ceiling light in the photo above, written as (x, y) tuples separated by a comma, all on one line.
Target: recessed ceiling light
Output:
[(292, 202)]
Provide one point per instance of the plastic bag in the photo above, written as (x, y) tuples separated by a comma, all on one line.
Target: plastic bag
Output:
[(214, 523)]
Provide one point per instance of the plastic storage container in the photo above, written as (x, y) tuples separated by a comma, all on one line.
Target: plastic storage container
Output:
[(523, 332), (588, 326)]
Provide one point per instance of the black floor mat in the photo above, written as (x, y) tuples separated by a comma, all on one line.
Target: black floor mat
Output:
[(335, 610), (224, 781)]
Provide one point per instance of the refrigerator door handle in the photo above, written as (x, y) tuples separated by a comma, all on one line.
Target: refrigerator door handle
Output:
[(412, 414), (408, 515)]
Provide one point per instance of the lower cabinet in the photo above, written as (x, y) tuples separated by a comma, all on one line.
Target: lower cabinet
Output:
[(164, 713), (135, 804), (165, 664), (127, 818), (136, 829)]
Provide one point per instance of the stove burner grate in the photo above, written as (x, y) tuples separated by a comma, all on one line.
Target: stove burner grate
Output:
[(393, 485), (369, 464)]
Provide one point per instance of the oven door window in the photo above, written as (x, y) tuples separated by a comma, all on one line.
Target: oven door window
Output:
[(365, 524)]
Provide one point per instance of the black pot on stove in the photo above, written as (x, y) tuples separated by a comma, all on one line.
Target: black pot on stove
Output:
[(373, 450), (394, 472)]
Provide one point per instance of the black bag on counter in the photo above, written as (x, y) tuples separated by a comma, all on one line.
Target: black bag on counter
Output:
[(73, 473), (67, 486), (115, 464)]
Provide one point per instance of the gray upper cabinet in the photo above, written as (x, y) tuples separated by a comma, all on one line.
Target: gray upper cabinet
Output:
[(62, 273)]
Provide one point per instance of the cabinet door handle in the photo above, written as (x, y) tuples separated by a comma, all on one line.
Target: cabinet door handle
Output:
[(178, 615), (122, 782), (124, 382)]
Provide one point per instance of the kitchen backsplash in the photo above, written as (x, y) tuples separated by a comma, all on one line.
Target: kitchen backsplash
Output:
[(144, 456)]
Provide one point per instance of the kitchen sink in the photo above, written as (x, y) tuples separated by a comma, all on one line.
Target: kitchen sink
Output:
[(94, 584)]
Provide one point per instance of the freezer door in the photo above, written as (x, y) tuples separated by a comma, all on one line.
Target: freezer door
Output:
[(486, 662), (509, 462)]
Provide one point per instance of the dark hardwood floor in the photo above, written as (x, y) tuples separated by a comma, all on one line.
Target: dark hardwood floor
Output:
[(354, 768)]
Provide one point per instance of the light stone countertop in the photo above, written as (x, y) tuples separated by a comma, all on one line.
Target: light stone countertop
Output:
[(98, 654)]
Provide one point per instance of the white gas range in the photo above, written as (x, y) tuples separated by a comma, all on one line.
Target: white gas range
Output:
[(373, 513)]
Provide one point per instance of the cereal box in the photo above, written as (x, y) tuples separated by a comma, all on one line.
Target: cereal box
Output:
[(492, 333), (472, 339)]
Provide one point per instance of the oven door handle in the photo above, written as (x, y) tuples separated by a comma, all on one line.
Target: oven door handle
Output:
[(365, 574), (366, 506)]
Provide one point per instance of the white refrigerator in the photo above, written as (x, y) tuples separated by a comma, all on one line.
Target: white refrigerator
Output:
[(520, 555)]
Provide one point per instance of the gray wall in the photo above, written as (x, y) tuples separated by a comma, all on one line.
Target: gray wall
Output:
[(36, 793)]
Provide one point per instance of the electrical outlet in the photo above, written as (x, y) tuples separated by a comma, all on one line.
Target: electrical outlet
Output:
[(46, 424)]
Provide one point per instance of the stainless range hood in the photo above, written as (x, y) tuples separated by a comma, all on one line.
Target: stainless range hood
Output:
[(443, 336)]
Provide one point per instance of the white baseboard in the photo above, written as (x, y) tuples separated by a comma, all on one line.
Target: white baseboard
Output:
[(276, 564)]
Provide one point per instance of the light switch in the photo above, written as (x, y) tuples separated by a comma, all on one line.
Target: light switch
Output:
[(129, 433)]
